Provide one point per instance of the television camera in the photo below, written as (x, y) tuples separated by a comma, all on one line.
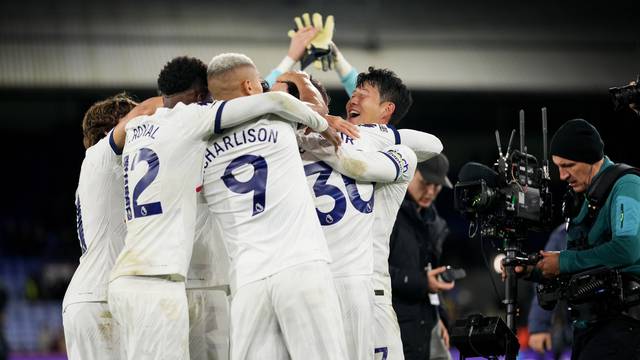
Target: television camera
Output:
[(503, 203)]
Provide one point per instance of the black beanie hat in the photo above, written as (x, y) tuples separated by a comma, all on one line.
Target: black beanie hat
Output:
[(578, 140)]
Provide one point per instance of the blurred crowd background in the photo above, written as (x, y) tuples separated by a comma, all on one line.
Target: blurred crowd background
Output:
[(470, 65)]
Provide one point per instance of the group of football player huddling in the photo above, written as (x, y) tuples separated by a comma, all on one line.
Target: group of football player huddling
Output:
[(233, 218)]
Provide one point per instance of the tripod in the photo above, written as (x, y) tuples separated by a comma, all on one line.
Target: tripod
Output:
[(514, 257), (489, 337)]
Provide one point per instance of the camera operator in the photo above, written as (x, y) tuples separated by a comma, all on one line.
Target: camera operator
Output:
[(609, 238), (415, 244)]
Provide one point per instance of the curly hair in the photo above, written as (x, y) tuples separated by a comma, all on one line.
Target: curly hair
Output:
[(182, 73), (103, 116), (391, 89)]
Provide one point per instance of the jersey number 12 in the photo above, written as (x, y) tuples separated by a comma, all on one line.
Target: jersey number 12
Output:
[(133, 209)]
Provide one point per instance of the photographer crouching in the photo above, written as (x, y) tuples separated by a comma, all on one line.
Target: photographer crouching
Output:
[(603, 231)]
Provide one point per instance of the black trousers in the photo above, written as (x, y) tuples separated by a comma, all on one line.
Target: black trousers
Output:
[(616, 338)]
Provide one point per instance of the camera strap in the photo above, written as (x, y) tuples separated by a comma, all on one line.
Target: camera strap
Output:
[(602, 184), (596, 196)]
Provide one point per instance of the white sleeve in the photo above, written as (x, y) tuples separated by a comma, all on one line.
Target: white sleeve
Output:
[(423, 144), (388, 165), (380, 135), (105, 154), (240, 110)]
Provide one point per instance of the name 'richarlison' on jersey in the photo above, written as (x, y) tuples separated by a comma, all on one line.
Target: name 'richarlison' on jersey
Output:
[(259, 135)]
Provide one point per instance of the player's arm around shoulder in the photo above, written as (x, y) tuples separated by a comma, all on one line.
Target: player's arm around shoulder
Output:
[(388, 165), (308, 93), (406, 160), (424, 145), (147, 107), (247, 108), (104, 154)]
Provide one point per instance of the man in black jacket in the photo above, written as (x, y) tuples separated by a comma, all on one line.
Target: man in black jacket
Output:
[(415, 246)]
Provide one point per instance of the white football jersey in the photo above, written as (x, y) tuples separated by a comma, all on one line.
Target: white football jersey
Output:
[(357, 241), (255, 186), (162, 162), (389, 197), (344, 208), (162, 158), (389, 192), (209, 265), (100, 222)]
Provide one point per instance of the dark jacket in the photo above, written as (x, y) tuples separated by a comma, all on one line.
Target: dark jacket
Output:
[(416, 241)]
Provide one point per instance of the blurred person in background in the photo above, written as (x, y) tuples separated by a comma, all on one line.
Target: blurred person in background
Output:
[(416, 247), (550, 330)]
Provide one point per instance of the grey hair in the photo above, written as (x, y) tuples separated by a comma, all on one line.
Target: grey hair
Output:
[(222, 63)]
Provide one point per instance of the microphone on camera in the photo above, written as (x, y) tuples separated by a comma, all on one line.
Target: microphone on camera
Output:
[(473, 171)]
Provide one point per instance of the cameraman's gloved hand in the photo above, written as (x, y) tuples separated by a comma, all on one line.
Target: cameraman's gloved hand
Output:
[(320, 44)]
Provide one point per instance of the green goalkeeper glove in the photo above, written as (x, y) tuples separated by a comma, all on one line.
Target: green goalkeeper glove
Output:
[(319, 49)]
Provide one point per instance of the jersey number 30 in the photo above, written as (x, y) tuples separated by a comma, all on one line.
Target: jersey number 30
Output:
[(320, 188), (133, 209)]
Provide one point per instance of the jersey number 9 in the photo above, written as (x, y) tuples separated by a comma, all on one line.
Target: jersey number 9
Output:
[(257, 183)]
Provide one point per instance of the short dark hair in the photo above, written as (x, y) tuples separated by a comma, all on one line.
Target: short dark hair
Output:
[(182, 73), (293, 90), (391, 89), (104, 116), (323, 91)]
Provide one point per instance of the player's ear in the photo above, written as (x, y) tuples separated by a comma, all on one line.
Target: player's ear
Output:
[(247, 87), (388, 109)]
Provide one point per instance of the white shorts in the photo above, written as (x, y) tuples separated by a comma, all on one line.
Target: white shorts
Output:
[(292, 314), (208, 324), (90, 332), (387, 340), (153, 317), (355, 294)]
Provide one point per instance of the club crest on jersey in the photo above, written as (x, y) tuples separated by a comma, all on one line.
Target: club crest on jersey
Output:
[(258, 208)]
